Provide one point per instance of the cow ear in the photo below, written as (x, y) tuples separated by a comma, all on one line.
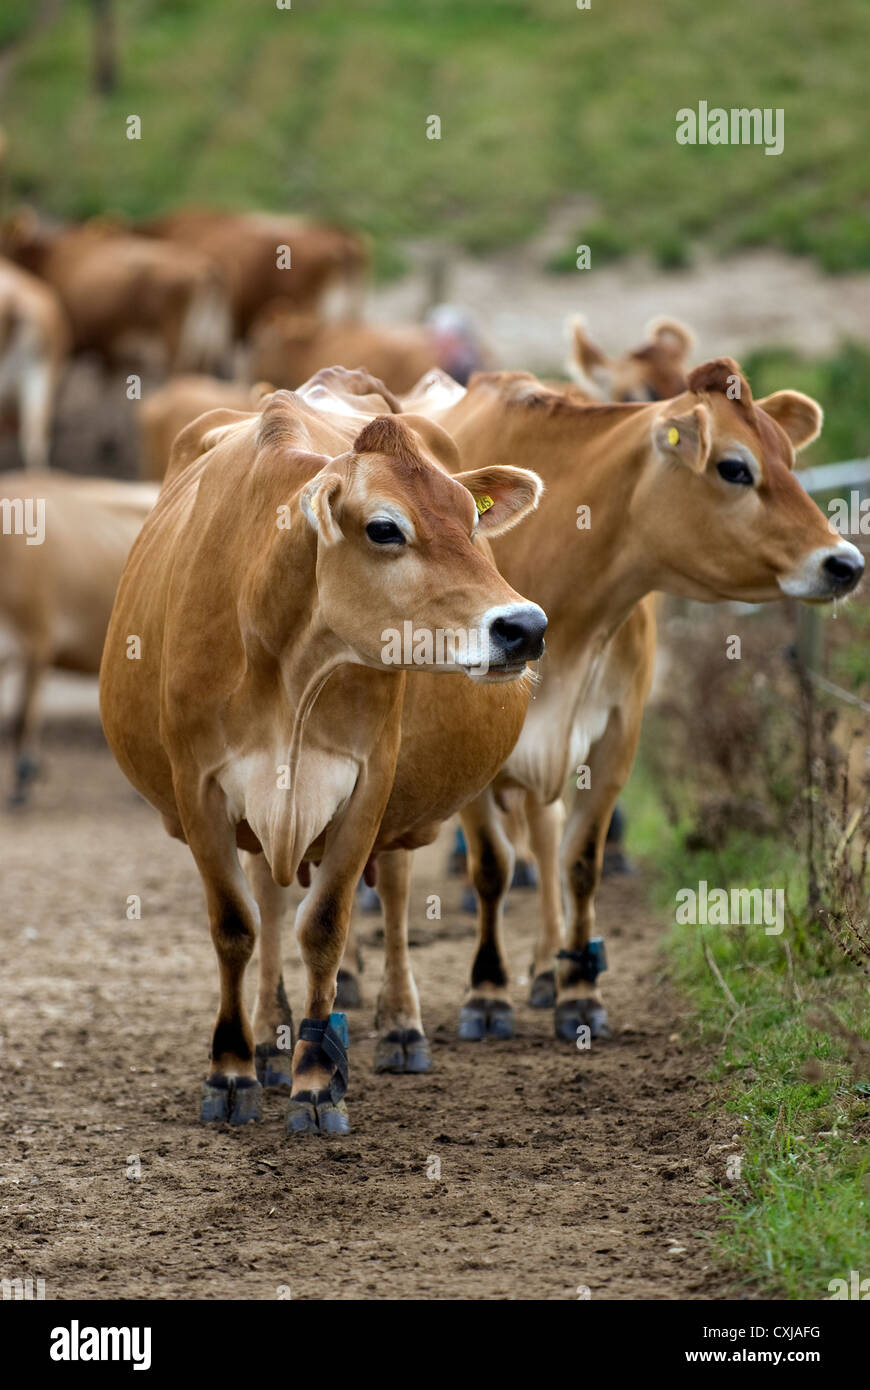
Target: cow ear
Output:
[(502, 496), (798, 415), (587, 364), (671, 335), (318, 502), (685, 438)]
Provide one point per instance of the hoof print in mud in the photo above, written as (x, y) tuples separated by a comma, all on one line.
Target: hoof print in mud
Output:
[(307, 1115), (579, 1013), (404, 1050), (231, 1100), (486, 1018), (274, 1067), (542, 994)]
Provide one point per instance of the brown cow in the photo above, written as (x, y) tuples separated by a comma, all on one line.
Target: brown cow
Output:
[(269, 708), (288, 347), (122, 291), (34, 341), (267, 256), (694, 497), (63, 544), (165, 412), (655, 371)]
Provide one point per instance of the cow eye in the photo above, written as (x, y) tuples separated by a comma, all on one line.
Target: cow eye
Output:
[(384, 533), (736, 471)]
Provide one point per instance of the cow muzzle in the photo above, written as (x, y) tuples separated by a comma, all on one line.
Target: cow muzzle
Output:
[(513, 635), (827, 573)]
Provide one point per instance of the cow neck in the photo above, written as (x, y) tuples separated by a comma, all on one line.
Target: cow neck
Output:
[(586, 580), (283, 621)]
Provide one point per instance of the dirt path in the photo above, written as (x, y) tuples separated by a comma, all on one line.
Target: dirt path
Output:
[(558, 1168)]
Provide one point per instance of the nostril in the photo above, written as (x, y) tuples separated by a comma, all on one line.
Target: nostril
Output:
[(509, 632), (520, 636), (845, 570)]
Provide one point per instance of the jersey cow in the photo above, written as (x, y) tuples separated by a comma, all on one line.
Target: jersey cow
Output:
[(287, 348), (63, 545), (165, 412), (693, 496), (265, 256), (123, 292), (253, 690), (655, 371)]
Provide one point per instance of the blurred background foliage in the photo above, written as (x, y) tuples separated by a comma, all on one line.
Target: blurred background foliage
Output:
[(321, 108)]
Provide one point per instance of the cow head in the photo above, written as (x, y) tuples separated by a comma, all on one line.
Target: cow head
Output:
[(653, 372), (402, 573), (719, 507)]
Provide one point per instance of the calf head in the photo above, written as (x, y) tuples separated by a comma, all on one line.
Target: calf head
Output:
[(721, 512), (653, 372), (403, 573)]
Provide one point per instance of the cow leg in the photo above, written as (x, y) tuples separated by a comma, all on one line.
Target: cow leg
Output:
[(35, 402), (273, 1019), (25, 728), (231, 1091), (578, 998), (402, 1045), (545, 833), (349, 993), (486, 1009), (322, 924)]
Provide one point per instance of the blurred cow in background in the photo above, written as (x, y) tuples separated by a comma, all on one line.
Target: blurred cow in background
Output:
[(166, 411), (34, 341), (655, 371), (288, 347), (265, 256), (63, 546), (125, 293)]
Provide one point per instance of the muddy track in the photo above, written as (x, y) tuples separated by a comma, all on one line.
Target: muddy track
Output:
[(559, 1169)]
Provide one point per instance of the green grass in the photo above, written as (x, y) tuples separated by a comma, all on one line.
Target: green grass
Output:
[(14, 19), (322, 108), (799, 1214)]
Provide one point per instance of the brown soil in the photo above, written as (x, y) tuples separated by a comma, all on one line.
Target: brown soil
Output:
[(558, 1168)]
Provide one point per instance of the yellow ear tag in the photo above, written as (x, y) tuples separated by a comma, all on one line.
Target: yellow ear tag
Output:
[(673, 435), (483, 504)]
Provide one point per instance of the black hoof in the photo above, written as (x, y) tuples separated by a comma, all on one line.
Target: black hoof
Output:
[(542, 994), (404, 1050), (581, 1013), (524, 875), (274, 1067), (307, 1114), (235, 1100), (348, 994), (486, 1018)]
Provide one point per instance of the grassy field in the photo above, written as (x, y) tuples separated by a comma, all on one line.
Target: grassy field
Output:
[(797, 1213), (787, 1014), (323, 108)]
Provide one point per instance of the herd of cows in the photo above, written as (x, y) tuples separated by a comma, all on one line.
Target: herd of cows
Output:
[(236, 602)]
